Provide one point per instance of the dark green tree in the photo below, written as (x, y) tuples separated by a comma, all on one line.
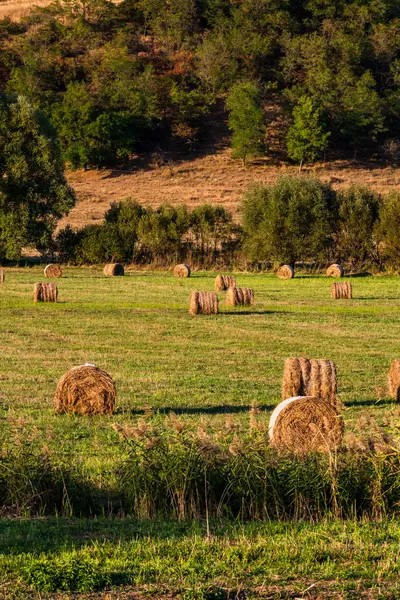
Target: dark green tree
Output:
[(307, 137)]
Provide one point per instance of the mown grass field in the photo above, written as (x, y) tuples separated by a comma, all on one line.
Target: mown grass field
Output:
[(206, 369)]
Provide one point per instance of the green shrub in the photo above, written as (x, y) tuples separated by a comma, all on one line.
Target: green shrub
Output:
[(387, 231)]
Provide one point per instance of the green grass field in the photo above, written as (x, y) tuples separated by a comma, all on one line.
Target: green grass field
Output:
[(206, 369)]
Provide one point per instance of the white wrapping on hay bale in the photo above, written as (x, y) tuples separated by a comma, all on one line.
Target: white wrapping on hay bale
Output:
[(53, 271), (85, 390), (335, 271), (285, 272), (114, 270), (341, 290), (45, 292), (239, 297), (224, 282), (310, 377), (182, 271), (305, 424), (394, 379), (203, 303)]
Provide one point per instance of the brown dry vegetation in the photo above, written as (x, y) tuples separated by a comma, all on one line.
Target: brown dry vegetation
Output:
[(16, 9)]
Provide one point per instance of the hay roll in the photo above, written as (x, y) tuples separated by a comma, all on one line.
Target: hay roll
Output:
[(315, 377), (285, 272), (224, 282), (335, 271), (182, 271), (394, 379), (341, 290), (45, 292), (114, 270), (53, 271), (85, 390), (305, 424), (2, 276), (239, 296), (203, 303)]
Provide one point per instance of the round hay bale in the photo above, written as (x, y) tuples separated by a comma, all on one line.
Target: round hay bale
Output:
[(239, 296), (182, 271), (53, 271), (342, 290), (203, 303), (224, 282), (315, 377), (335, 271), (45, 292), (285, 272), (305, 424), (2, 276), (394, 379), (114, 270), (85, 390)]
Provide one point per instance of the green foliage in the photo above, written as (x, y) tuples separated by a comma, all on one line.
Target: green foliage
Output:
[(307, 137), (246, 120), (387, 230), (33, 190), (291, 220)]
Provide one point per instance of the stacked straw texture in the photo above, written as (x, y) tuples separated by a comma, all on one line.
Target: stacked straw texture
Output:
[(341, 290), (310, 377), (285, 272), (45, 292), (335, 271), (224, 282), (305, 424), (182, 271), (239, 296), (203, 303), (394, 379), (2, 275), (114, 270), (85, 390), (53, 271)]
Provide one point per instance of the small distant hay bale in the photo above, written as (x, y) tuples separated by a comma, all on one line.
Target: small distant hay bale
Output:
[(239, 296), (2, 276), (310, 377), (394, 379), (203, 303), (224, 282), (85, 390), (182, 271), (285, 272), (114, 270), (53, 271), (335, 271), (305, 424), (45, 292), (341, 290)]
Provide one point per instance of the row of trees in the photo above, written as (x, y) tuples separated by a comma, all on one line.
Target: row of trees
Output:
[(121, 77)]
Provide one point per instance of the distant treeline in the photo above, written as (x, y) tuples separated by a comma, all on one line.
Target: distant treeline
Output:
[(297, 219), (124, 77)]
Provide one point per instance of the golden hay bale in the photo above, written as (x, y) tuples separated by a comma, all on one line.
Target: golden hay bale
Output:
[(203, 303), (85, 390), (304, 424), (224, 282), (285, 272), (182, 271), (53, 271), (239, 296), (45, 292), (394, 379), (114, 270), (335, 271), (305, 377), (341, 290), (2, 276)]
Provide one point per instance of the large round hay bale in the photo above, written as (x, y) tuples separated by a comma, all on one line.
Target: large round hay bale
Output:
[(305, 424), (203, 303), (85, 390), (45, 292), (2, 276), (394, 379), (285, 272), (239, 297), (305, 377), (114, 270), (224, 282), (341, 290), (53, 271), (182, 271), (335, 271)]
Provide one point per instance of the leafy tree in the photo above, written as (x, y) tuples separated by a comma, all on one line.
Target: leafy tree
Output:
[(307, 137), (246, 120), (33, 190), (387, 230)]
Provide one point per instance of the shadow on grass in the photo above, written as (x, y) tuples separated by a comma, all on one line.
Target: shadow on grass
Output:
[(371, 402), (223, 409)]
